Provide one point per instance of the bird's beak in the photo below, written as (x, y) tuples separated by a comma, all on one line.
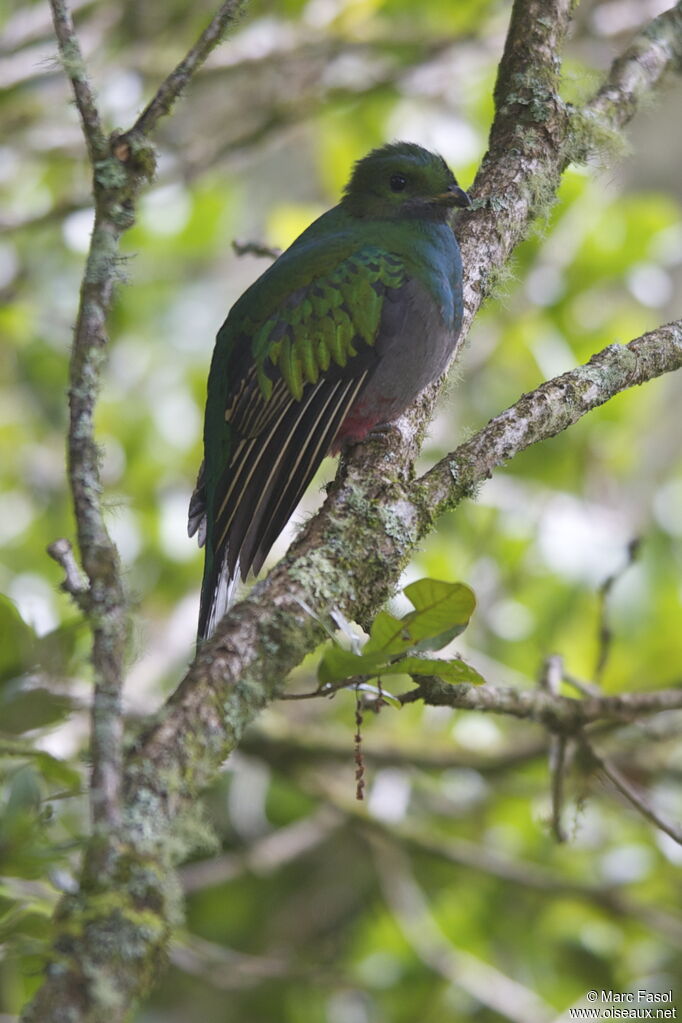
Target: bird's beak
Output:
[(454, 196)]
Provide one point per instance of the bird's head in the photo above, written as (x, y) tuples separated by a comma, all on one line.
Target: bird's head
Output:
[(403, 180)]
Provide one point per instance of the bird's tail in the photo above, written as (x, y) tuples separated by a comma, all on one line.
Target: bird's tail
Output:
[(219, 584), (217, 595)]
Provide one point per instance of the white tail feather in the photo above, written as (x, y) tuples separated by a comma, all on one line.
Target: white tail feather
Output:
[(223, 596)]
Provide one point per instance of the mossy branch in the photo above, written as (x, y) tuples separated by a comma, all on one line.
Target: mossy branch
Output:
[(550, 409), (560, 714), (651, 55)]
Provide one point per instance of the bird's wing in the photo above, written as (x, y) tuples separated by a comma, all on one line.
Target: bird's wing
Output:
[(283, 380)]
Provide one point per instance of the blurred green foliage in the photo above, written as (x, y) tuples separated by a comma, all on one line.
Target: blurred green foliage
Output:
[(315, 910)]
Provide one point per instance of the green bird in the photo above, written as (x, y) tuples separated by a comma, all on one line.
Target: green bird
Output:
[(336, 338)]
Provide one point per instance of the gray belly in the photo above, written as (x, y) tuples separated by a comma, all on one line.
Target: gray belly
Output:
[(414, 345)]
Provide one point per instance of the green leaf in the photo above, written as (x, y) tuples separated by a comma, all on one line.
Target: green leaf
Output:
[(22, 710), (59, 650), (26, 790), (17, 641), (455, 670), (442, 611), (337, 664), (57, 771), (388, 635)]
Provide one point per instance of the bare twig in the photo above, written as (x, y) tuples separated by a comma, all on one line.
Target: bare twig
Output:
[(255, 249), (581, 686), (178, 79), (550, 682), (605, 634), (630, 792)]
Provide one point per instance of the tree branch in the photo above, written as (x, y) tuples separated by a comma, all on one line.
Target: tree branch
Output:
[(640, 69), (103, 599), (550, 409), (560, 714), (177, 81), (550, 682), (74, 66), (631, 793)]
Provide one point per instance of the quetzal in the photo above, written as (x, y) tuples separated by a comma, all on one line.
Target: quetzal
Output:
[(337, 337)]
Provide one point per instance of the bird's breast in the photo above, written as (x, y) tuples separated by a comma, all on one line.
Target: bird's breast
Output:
[(417, 335)]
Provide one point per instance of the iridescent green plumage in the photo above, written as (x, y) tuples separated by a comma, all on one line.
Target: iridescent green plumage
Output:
[(319, 324), (339, 334)]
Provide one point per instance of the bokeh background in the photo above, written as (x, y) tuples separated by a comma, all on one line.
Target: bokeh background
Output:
[(444, 896)]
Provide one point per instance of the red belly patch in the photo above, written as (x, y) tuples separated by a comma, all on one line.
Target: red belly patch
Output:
[(353, 429)]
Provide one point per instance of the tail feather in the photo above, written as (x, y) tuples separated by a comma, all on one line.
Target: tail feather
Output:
[(196, 517), (217, 596)]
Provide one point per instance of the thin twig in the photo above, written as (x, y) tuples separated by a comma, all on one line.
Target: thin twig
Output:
[(550, 682), (579, 684), (255, 249), (74, 67), (632, 794), (605, 634), (176, 82)]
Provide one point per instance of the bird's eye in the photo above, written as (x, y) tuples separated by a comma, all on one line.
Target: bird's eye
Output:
[(398, 182)]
